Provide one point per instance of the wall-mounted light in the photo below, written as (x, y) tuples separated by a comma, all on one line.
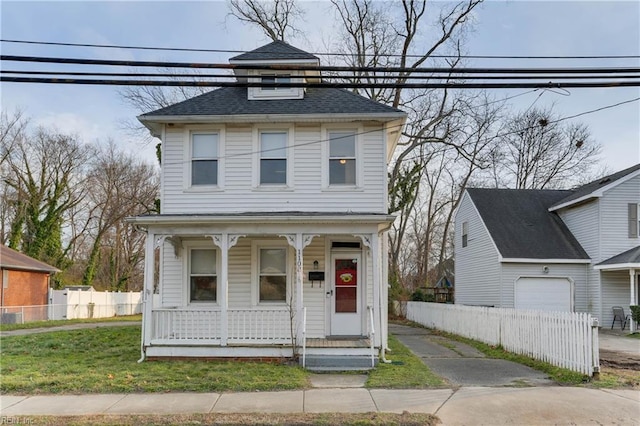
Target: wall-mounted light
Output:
[(545, 269), (315, 265)]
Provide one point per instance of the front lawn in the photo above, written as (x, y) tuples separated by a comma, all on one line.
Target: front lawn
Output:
[(104, 360)]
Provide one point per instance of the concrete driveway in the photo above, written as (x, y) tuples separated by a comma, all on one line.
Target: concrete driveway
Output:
[(463, 365)]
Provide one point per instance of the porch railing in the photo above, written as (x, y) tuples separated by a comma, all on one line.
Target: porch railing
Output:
[(204, 326)]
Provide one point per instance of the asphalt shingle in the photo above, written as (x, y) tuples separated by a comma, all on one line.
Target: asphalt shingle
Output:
[(521, 225)]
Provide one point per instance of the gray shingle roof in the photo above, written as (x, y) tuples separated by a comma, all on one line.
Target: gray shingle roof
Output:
[(591, 187), (521, 225), (629, 256), (274, 51), (11, 259), (233, 101)]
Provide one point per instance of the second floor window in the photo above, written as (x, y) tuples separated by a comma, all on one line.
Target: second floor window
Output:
[(204, 159), (342, 158), (273, 158)]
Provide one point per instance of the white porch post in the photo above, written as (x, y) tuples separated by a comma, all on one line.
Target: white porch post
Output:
[(377, 307), (299, 241), (149, 270), (632, 279), (224, 241)]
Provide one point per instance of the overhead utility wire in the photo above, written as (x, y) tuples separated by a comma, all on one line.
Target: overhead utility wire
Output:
[(388, 55), (350, 76), (337, 85), (290, 67)]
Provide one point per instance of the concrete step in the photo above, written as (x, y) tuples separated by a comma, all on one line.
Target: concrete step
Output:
[(332, 363)]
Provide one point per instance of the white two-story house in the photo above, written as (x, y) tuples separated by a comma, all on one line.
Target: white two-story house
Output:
[(273, 218), (575, 250)]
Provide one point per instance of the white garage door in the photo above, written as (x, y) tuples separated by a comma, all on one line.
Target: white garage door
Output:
[(544, 294)]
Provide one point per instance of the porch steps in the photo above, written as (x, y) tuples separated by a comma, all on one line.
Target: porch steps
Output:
[(332, 363)]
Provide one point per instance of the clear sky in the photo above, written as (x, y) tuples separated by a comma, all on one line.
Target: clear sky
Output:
[(533, 28)]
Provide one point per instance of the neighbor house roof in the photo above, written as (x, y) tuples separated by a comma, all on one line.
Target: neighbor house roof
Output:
[(521, 226), (277, 50), (592, 189), (629, 258), (230, 101), (11, 259)]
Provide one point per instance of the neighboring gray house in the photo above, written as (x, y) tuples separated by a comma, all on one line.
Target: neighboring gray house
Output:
[(575, 250), (273, 204)]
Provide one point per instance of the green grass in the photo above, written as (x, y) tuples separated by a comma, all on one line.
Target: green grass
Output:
[(104, 360), (57, 323), (635, 335), (406, 371)]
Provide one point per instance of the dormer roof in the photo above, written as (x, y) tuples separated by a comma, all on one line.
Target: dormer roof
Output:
[(275, 51)]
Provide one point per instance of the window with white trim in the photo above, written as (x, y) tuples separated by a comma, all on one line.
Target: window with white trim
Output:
[(273, 278), (634, 220), (342, 157), (276, 78), (273, 158), (203, 278), (204, 158)]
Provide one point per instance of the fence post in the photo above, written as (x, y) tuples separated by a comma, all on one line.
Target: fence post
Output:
[(595, 348)]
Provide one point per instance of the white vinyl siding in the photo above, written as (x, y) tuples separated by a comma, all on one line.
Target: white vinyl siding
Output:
[(614, 218), (615, 292), (171, 275), (477, 267), (237, 190), (314, 297)]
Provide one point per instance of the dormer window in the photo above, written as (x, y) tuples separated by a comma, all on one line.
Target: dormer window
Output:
[(284, 78), (265, 93)]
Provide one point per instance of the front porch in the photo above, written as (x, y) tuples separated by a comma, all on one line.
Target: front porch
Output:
[(267, 290)]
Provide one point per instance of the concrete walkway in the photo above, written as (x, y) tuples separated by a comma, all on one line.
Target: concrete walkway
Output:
[(465, 406)]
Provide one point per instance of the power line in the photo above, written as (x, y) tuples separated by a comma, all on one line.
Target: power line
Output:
[(336, 85), (290, 67), (339, 76), (389, 55)]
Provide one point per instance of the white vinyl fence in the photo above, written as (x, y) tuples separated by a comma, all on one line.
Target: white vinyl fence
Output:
[(565, 339), (73, 304)]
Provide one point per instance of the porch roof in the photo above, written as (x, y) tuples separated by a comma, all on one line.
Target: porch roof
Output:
[(629, 259), (291, 217)]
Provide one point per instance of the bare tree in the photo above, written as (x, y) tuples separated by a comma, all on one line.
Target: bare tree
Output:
[(42, 178), (538, 151), (120, 186), (275, 18)]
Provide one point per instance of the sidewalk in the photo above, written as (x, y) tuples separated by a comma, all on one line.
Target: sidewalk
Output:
[(467, 405)]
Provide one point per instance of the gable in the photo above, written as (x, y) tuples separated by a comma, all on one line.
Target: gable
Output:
[(521, 226), (596, 188)]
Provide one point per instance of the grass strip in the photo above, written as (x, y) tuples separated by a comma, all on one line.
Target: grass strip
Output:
[(340, 419), (405, 371), (57, 323)]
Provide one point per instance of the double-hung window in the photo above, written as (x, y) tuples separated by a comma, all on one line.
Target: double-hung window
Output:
[(204, 158), (465, 234), (342, 158), (272, 272), (203, 276), (273, 158)]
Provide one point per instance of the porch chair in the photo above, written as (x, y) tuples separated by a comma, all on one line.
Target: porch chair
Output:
[(618, 314)]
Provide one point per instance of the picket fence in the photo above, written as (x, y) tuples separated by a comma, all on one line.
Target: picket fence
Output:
[(564, 339)]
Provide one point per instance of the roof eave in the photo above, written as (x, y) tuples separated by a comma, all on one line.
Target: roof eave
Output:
[(150, 120), (617, 266), (30, 269), (548, 260), (266, 218)]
